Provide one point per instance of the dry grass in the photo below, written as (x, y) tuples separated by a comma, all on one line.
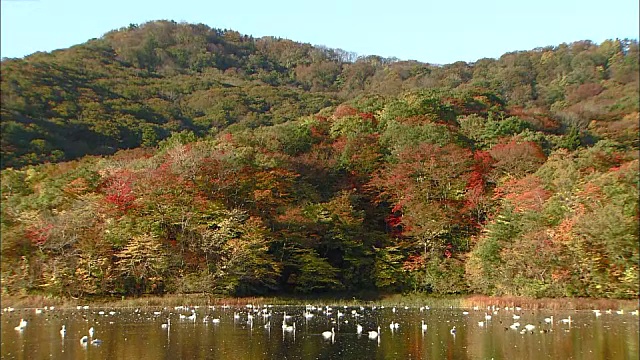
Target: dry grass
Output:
[(549, 303), (411, 300)]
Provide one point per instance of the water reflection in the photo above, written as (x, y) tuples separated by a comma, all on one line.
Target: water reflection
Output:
[(316, 333)]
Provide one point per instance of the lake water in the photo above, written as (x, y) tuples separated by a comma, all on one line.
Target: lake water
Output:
[(138, 334)]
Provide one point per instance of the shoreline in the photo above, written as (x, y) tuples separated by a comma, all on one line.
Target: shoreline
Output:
[(410, 300)]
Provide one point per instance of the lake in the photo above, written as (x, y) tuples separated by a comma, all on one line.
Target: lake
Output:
[(229, 333)]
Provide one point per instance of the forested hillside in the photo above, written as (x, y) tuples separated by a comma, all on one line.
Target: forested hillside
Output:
[(263, 165)]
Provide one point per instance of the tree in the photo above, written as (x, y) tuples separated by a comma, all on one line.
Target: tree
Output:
[(141, 263)]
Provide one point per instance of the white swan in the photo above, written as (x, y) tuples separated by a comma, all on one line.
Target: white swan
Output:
[(424, 326), (63, 331), (374, 334), (358, 329), (167, 324), (22, 325), (288, 328), (328, 334)]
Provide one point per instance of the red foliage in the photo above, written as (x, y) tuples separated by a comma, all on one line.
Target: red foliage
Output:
[(481, 168), (228, 138), (526, 194), (515, 149), (482, 162), (368, 116), (339, 144), (394, 222), (518, 158), (38, 235), (318, 133), (118, 190), (538, 118), (583, 92), (447, 251), (344, 110), (413, 263), (563, 232)]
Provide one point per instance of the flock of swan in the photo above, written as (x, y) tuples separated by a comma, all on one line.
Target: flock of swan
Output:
[(335, 317)]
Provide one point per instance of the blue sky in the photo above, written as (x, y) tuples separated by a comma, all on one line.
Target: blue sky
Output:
[(437, 32)]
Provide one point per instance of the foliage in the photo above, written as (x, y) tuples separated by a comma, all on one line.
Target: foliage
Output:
[(243, 166)]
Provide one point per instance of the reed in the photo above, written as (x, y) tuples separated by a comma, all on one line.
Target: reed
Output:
[(548, 303), (399, 300)]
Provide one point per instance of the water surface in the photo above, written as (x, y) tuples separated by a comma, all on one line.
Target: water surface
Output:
[(128, 333)]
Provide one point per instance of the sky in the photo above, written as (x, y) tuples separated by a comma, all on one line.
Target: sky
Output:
[(436, 32)]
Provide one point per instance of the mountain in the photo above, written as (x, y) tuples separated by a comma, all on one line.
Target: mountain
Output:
[(135, 86), (178, 158)]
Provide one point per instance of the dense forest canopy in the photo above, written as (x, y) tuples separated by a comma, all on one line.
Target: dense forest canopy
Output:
[(246, 166)]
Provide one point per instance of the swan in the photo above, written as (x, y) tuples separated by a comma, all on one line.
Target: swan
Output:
[(167, 325), (374, 334), (358, 329), (424, 326), (215, 321), (288, 328), (84, 339), (96, 342), (63, 331), (328, 334), (91, 332), (549, 320), (308, 315), (529, 327), (453, 330), (567, 320), (22, 325)]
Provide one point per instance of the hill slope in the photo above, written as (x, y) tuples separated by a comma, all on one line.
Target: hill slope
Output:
[(136, 85), (268, 165)]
